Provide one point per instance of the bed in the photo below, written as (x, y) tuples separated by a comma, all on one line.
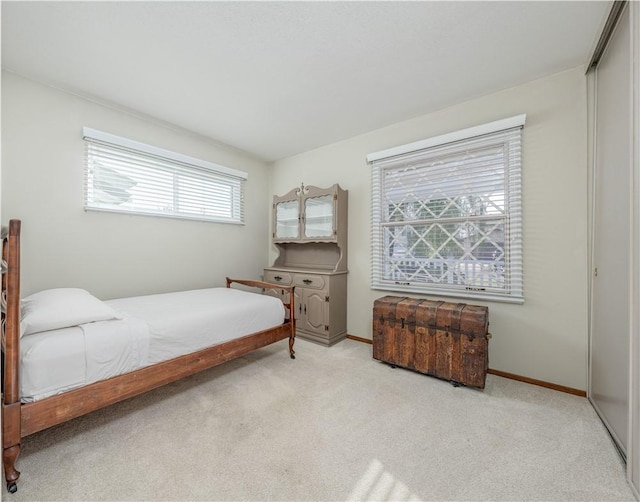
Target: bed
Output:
[(66, 353)]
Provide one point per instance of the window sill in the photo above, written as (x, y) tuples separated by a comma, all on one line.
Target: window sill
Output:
[(466, 295)]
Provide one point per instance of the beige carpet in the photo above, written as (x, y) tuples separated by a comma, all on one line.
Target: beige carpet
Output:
[(332, 425)]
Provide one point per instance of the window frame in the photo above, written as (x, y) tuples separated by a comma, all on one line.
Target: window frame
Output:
[(410, 156), (203, 183)]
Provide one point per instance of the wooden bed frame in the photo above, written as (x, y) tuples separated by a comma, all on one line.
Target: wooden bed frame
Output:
[(22, 419)]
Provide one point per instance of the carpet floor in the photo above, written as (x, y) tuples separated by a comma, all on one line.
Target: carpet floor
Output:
[(332, 425)]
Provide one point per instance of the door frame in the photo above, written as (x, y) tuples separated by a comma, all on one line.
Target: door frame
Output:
[(633, 437), (633, 451)]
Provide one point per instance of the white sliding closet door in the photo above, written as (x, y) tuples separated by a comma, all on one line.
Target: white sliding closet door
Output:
[(611, 286)]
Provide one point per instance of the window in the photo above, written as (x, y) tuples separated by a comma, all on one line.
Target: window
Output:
[(446, 214), (122, 175)]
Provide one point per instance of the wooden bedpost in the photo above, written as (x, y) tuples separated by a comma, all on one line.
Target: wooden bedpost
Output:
[(11, 419), (292, 321)]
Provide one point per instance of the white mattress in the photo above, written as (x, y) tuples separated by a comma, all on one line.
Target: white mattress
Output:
[(155, 328)]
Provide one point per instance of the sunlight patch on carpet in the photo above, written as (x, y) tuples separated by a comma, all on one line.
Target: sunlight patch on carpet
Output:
[(378, 484)]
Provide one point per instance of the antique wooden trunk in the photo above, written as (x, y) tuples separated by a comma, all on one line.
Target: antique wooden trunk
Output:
[(441, 339)]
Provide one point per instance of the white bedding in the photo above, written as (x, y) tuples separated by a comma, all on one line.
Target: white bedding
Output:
[(154, 328)]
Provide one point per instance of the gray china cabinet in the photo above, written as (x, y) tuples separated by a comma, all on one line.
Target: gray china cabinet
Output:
[(310, 233)]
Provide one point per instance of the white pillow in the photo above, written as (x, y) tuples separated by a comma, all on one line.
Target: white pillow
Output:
[(62, 308)]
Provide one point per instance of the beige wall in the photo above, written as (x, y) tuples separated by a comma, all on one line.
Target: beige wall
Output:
[(116, 255), (546, 338), (113, 255)]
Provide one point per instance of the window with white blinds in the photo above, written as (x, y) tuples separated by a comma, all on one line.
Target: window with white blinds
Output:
[(446, 214), (122, 175)]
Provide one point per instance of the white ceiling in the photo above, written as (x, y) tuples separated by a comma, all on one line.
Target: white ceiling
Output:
[(279, 78)]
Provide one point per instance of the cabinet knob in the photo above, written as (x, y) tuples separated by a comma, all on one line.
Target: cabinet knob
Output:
[(307, 281), (278, 278)]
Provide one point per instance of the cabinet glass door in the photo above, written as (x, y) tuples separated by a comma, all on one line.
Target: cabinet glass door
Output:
[(287, 220), (318, 216)]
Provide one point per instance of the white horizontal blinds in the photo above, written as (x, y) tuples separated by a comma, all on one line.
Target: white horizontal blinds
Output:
[(514, 222), (447, 219), (377, 245), (125, 179)]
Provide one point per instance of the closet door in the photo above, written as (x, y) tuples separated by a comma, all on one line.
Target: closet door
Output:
[(610, 307)]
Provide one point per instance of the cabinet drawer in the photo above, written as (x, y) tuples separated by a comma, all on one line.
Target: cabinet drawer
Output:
[(277, 277), (309, 281)]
